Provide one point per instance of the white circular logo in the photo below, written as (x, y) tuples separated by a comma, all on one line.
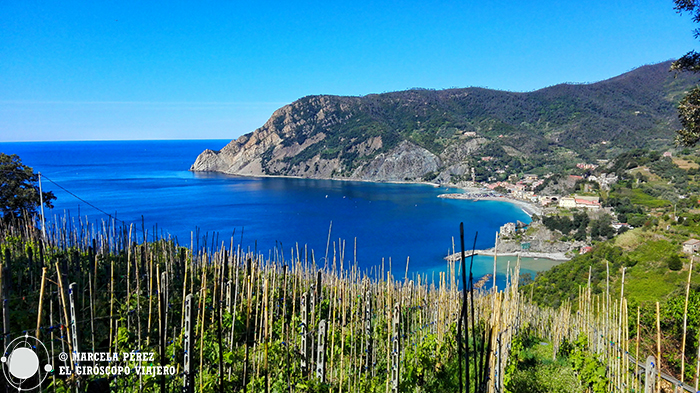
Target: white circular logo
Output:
[(22, 363)]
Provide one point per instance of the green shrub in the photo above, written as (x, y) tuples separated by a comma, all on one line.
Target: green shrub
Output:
[(674, 262)]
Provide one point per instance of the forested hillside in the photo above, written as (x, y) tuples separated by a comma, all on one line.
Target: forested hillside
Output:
[(439, 134)]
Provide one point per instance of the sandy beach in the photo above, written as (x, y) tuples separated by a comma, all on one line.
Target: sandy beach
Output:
[(478, 195), (528, 207)]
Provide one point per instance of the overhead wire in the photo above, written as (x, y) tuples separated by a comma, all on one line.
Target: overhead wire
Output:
[(83, 200)]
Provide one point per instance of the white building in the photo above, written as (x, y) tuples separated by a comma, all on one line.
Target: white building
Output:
[(691, 246)]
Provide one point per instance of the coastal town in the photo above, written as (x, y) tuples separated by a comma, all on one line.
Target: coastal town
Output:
[(525, 189), (571, 212)]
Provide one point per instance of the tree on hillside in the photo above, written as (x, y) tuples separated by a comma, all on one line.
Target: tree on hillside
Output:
[(674, 262), (19, 189), (601, 228), (689, 107)]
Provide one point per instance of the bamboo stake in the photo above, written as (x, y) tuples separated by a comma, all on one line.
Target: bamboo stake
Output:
[(636, 353), (65, 310), (265, 326), (128, 280), (184, 295), (201, 334), (625, 353), (249, 285), (111, 304), (150, 299), (495, 258), (258, 323), (619, 327), (685, 321), (41, 300), (53, 375), (138, 300), (607, 310), (658, 348), (387, 313), (285, 324), (92, 315), (342, 360), (218, 311), (697, 367), (235, 312)]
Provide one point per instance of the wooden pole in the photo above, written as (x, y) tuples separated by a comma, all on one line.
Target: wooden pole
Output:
[(396, 349), (321, 351), (73, 332), (188, 378), (651, 372), (304, 332)]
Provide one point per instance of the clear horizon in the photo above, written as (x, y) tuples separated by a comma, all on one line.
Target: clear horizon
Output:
[(161, 71)]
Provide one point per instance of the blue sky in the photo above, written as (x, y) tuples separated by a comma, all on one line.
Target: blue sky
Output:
[(216, 70)]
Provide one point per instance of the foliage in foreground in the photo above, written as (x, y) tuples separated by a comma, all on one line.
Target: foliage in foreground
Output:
[(19, 190), (531, 368), (260, 332)]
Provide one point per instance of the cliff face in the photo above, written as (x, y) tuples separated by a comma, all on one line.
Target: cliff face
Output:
[(444, 135), (405, 162)]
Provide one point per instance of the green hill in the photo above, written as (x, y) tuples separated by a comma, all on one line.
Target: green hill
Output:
[(440, 134)]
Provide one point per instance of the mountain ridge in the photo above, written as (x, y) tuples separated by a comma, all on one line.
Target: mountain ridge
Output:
[(460, 133)]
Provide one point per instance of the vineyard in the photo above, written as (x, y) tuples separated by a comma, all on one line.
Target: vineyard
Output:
[(140, 312)]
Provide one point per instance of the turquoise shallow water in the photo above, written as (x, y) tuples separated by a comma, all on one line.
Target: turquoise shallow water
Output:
[(151, 179)]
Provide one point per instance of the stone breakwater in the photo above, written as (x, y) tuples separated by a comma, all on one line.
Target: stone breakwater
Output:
[(556, 256)]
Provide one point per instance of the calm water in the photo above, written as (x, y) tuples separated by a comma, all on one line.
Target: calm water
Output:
[(151, 179)]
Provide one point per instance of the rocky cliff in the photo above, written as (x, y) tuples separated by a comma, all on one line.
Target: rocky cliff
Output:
[(300, 139), (445, 135)]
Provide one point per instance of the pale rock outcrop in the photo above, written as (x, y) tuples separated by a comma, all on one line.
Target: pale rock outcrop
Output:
[(407, 161)]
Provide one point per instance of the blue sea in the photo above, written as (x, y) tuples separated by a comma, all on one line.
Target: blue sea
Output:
[(150, 179)]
